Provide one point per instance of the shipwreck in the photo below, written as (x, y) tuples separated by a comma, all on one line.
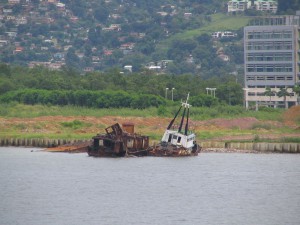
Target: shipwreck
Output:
[(123, 141)]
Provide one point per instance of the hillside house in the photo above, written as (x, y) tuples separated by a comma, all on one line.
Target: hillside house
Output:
[(260, 5), (59, 56), (127, 46), (7, 11), (18, 50), (265, 5), (187, 15), (108, 52), (3, 43), (223, 34), (21, 20), (61, 6), (88, 69), (162, 13), (224, 57), (13, 2), (112, 27)]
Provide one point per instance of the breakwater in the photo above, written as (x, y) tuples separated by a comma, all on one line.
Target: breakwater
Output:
[(254, 146), (226, 146), (36, 142)]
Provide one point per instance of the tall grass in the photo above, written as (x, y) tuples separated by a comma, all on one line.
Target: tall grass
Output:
[(197, 113), (31, 111)]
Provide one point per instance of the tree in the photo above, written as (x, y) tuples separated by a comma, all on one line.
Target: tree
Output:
[(296, 89), (5, 70), (72, 59), (94, 36), (288, 6), (101, 14), (231, 93), (269, 93), (283, 93)]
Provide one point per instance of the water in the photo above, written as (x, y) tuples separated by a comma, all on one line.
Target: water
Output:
[(57, 188)]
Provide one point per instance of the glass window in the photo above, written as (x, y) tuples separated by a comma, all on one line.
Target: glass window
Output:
[(260, 68), (269, 68), (280, 78), (260, 78)]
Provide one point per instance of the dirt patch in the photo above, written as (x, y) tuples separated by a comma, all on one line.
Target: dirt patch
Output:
[(292, 117), (240, 123), (149, 125)]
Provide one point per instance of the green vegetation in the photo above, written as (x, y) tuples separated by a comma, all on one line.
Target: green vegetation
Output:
[(28, 111), (197, 113), (96, 99), (75, 124), (111, 88), (218, 22)]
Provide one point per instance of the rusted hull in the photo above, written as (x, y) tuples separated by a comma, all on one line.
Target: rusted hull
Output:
[(71, 148), (102, 152), (168, 150)]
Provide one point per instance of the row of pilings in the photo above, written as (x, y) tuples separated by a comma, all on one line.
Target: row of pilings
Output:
[(36, 142), (254, 146), (226, 146)]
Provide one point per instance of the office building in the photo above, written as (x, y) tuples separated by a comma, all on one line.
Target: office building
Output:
[(271, 54)]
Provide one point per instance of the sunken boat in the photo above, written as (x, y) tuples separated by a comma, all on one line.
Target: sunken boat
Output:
[(177, 140), (118, 142)]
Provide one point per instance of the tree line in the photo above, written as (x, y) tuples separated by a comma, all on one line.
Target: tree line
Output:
[(134, 84), (96, 99)]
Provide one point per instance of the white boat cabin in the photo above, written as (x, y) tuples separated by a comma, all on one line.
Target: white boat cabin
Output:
[(175, 138)]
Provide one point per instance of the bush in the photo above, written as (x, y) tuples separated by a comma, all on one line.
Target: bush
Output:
[(97, 99)]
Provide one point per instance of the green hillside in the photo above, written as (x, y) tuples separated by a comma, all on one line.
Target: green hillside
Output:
[(219, 22)]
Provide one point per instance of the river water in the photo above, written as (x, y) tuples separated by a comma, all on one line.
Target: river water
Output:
[(41, 188)]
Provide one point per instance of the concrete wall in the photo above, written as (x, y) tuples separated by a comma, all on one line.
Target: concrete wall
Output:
[(260, 147), (44, 143)]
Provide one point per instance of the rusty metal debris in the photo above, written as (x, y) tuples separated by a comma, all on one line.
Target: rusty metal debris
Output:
[(119, 143), (76, 147)]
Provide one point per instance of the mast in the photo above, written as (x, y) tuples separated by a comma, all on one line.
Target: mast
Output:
[(171, 123), (186, 106), (187, 122), (181, 123)]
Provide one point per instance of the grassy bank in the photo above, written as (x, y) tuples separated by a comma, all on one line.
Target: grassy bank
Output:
[(70, 122), (197, 113)]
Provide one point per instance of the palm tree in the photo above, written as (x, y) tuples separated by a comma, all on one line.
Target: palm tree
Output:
[(283, 93), (269, 93), (296, 89)]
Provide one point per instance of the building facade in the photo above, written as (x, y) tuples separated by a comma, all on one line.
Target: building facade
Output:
[(271, 54), (238, 5), (260, 5)]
